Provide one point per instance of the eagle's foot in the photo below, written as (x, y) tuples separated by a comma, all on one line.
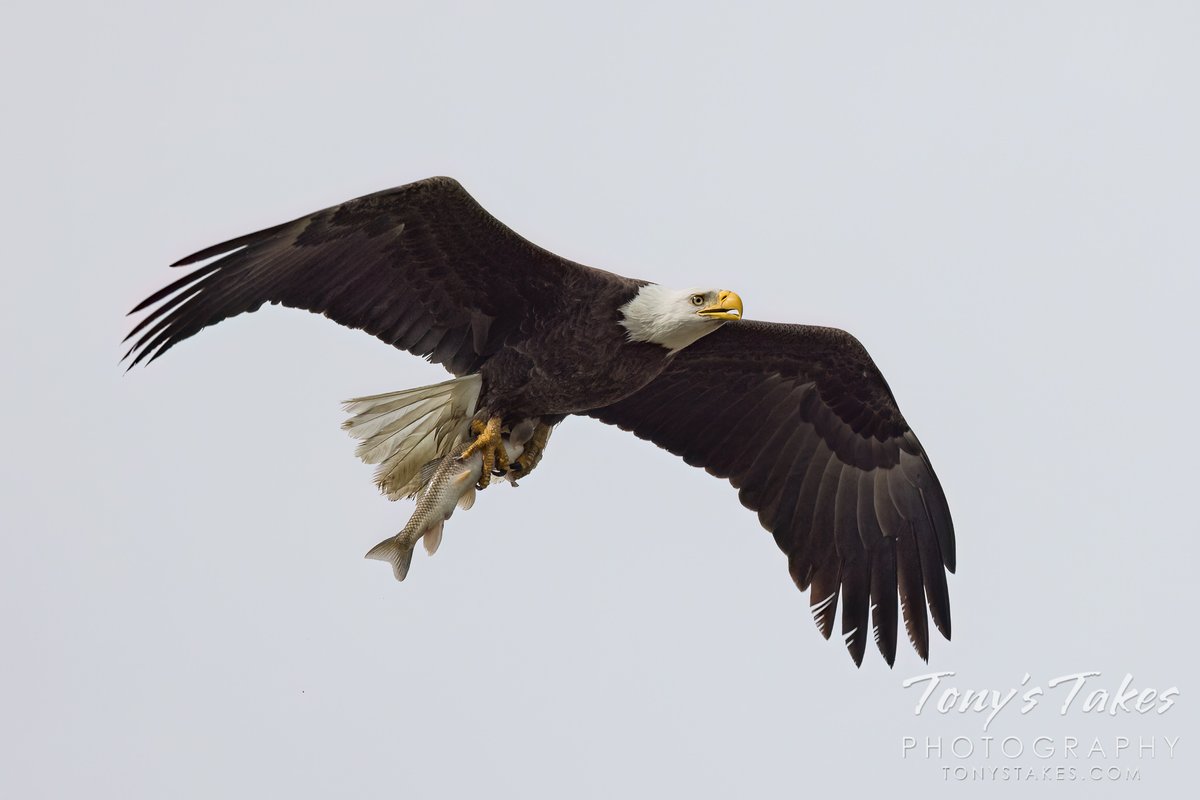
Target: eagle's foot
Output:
[(532, 454), (490, 444)]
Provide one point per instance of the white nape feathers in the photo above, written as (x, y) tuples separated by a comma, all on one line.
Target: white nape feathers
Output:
[(670, 317)]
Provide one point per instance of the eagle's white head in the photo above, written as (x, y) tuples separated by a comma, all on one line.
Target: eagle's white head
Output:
[(675, 318)]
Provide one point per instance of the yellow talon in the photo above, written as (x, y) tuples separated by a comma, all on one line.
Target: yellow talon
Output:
[(534, 448), (490, 443)]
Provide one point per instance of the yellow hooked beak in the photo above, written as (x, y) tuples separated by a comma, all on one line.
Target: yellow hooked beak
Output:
[(728, 306)]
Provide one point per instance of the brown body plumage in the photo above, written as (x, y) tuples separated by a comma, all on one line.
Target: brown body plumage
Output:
[(798, 418)]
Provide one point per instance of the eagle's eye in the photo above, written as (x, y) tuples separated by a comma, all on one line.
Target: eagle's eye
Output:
[(697, 299)]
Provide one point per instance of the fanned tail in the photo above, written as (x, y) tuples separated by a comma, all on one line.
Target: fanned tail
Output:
[(403, 431)]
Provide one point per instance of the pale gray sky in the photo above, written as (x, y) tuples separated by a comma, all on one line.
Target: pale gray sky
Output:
[(1000, 201)]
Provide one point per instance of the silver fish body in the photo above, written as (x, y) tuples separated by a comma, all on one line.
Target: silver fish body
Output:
[(448, 483)]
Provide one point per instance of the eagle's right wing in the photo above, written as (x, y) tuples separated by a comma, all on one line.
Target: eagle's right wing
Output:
[(801, 421)]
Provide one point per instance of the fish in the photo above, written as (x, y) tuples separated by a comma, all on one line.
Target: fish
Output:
[(445, 484)]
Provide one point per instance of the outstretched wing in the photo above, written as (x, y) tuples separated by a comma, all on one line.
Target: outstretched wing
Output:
[(799, 419), (423, 267)]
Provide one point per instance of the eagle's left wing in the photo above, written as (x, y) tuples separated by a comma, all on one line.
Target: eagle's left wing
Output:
[(422, 267), (801, 421)]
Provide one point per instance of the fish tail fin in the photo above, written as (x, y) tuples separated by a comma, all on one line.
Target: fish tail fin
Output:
[(396, 554), (403, 431)]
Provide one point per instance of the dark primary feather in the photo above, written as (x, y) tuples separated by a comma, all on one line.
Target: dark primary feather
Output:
[(799, 419), (423, 267)]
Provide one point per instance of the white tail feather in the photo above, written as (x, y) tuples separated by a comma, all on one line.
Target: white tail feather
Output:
[(403, 431)]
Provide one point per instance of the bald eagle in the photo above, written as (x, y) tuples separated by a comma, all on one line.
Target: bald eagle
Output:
[(801, 421)]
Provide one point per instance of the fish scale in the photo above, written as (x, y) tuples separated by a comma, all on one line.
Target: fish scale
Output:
[(450, 484)]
